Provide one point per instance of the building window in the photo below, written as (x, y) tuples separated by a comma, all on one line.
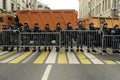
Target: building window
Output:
[(103, 6), (12, 6), (4, 4), (40, 6), (1, 19), (106, 4), (18, 8)]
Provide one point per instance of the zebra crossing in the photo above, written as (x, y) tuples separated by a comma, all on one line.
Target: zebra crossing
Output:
[(53, 57)]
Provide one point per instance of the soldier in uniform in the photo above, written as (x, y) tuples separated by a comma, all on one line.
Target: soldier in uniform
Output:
[(91, 38), (68, 37), (26, 38), (104, 30), (58, 29), (36, 37), (115, 39), (13, 36), (47, 37), (5, 38), (80, 36)]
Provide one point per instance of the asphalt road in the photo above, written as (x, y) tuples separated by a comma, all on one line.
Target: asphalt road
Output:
[(59, 72)]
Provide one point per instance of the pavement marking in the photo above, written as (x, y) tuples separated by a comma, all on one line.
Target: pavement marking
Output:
[(109, 62), (27, 59), (21, 57), (7, 55), (118, 62), (72, 59), (93, 58), (41, 58), (47, 72), (83, 58), (62, 59), (10, 58), (52, 57), (1, 53)]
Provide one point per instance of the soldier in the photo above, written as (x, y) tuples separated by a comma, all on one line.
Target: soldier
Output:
[(19, 30), (26, 38), (115, 39), (47, 40), (91, 38), (37, 38), (68, 37), (80, 36), (13, 36), (105, 31), (5, 38), (58, 29)]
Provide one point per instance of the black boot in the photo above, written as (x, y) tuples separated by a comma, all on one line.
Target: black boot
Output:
[(104, 51), (49, 49), (82, 50), (39, 49), (88, 50), (114, 51), (45, 49), (28, 49), (57, 49), (12, 49), (71, 50), (94, 50), (117, 51), (66, 50), (77, 50), (34, 49)]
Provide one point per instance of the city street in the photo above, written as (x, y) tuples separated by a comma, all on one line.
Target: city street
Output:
[(59, 72), (59, 66), (59, 39)]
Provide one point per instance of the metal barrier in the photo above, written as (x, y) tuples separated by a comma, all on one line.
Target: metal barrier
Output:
[(92, 39), (9, 38), (111, 42), (42, 39), (80, 38)]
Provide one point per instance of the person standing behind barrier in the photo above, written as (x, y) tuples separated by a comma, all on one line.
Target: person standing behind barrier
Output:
[(91, 38), (68, 37), (47, 40), (104, 31), (115, 39), (58, 29), (26, 38), (5, 38), (13, 36), (80, 36), (36, 37), (19, 30)]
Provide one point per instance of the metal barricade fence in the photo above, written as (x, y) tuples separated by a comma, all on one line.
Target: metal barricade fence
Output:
[(68, 39), (41, 39), (9, 38), (81, 38), (111, 42)]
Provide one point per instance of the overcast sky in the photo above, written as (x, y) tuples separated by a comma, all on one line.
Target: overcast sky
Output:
[(62, 4)]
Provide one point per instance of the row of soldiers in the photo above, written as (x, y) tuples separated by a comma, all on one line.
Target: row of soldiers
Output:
[(67, 36)]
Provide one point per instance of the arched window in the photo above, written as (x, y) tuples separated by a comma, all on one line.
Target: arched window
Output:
[(40, 6)]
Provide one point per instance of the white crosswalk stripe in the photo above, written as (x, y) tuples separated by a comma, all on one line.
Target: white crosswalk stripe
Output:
[(10, 58), (72, 59), (52, 57), (118, 62), (1, 53), (93, 58), (27, 59)]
